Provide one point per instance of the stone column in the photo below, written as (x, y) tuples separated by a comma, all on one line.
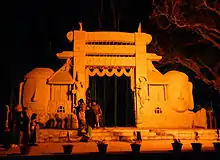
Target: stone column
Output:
[(79, 62), (141, 40)]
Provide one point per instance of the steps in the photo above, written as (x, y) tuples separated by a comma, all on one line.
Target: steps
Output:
[(126, 134), (56, 135), (119, 134)]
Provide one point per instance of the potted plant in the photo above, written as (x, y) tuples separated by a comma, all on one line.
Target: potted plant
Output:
[(196, 146), (217, 144), (136, 145), (67, 148), (177, 145), (102, 146)]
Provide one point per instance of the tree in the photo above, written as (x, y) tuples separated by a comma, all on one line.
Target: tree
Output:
[(186, 23), (199, 16)]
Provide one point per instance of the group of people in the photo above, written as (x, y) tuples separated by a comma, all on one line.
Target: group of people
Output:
[(21, 129), (89, 117)]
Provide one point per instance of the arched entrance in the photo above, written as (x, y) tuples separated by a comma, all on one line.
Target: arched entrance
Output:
[(115, 98), (112, 89)]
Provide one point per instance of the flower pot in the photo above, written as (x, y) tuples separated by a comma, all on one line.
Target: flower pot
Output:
[(102, 148), (67, 149), (24, 150), (196, 147), (135, 148), (177, 147), (217, 146)]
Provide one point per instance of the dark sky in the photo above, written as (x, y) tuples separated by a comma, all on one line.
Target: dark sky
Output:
[(39, 22)]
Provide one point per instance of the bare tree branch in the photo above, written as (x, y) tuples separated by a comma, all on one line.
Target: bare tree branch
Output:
[(173, 12), (205, 6)]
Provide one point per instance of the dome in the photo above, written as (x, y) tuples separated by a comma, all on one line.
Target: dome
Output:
[(43, 73), (176, 76)]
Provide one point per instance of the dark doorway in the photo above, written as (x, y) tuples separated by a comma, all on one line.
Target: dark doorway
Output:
[(115, 98)]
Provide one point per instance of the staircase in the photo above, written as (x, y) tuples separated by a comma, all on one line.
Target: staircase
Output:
[(126, 134)]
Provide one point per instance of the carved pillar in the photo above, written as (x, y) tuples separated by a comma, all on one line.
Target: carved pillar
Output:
[(79, 62), (133, 83), (141, 70), (86, 80)]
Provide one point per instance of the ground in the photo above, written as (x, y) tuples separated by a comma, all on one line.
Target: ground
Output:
[(113, 147)]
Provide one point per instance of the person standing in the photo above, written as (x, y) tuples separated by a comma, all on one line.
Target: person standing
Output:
[(98, 112), (82, 119), (90, 121), (24, 128), (7, 128), (33, 129), (16, 127), (80, 102)]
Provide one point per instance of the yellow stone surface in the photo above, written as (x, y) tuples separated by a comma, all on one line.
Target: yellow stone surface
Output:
[(161, 101)]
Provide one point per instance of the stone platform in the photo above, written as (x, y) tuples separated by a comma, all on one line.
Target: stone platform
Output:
[(126, 134)]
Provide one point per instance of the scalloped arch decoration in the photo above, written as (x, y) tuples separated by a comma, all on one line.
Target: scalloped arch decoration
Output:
[(103, 72)]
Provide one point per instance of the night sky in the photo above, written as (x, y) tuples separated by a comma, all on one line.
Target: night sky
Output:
[(40, 27)]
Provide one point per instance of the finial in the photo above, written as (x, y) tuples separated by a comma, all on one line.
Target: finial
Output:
[(80, 26), (139, 27), (69, 36)]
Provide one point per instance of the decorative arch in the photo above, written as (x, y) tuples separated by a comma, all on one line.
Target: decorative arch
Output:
[(110, 71)]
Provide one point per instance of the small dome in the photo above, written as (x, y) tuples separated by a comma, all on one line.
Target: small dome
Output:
[(43, 73), (176, 76)]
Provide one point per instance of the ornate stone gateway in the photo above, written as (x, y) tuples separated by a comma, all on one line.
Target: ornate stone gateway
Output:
[(159, 101)]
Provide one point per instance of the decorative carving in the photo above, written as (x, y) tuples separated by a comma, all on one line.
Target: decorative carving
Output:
[(142, 91), (67, 65), (110, 37), (111, 49), (34, 97), (110, 61), (80, 26), (78, 89), (69, 36), (103, 72)]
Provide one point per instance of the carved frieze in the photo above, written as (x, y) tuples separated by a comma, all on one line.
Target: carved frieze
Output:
[(111, 49), (109, 36), (110, 61)]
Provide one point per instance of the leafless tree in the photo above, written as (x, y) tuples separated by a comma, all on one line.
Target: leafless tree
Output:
[(199, 16), (201, 19)]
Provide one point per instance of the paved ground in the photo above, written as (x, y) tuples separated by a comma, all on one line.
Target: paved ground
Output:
[(113, 147)]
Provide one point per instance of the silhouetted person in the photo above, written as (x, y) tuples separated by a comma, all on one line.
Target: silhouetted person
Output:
[(90, 121), (80, 102), (7, 128), (24, 128), (33, 129), (58, 121), (89, 106), (16, 126)]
